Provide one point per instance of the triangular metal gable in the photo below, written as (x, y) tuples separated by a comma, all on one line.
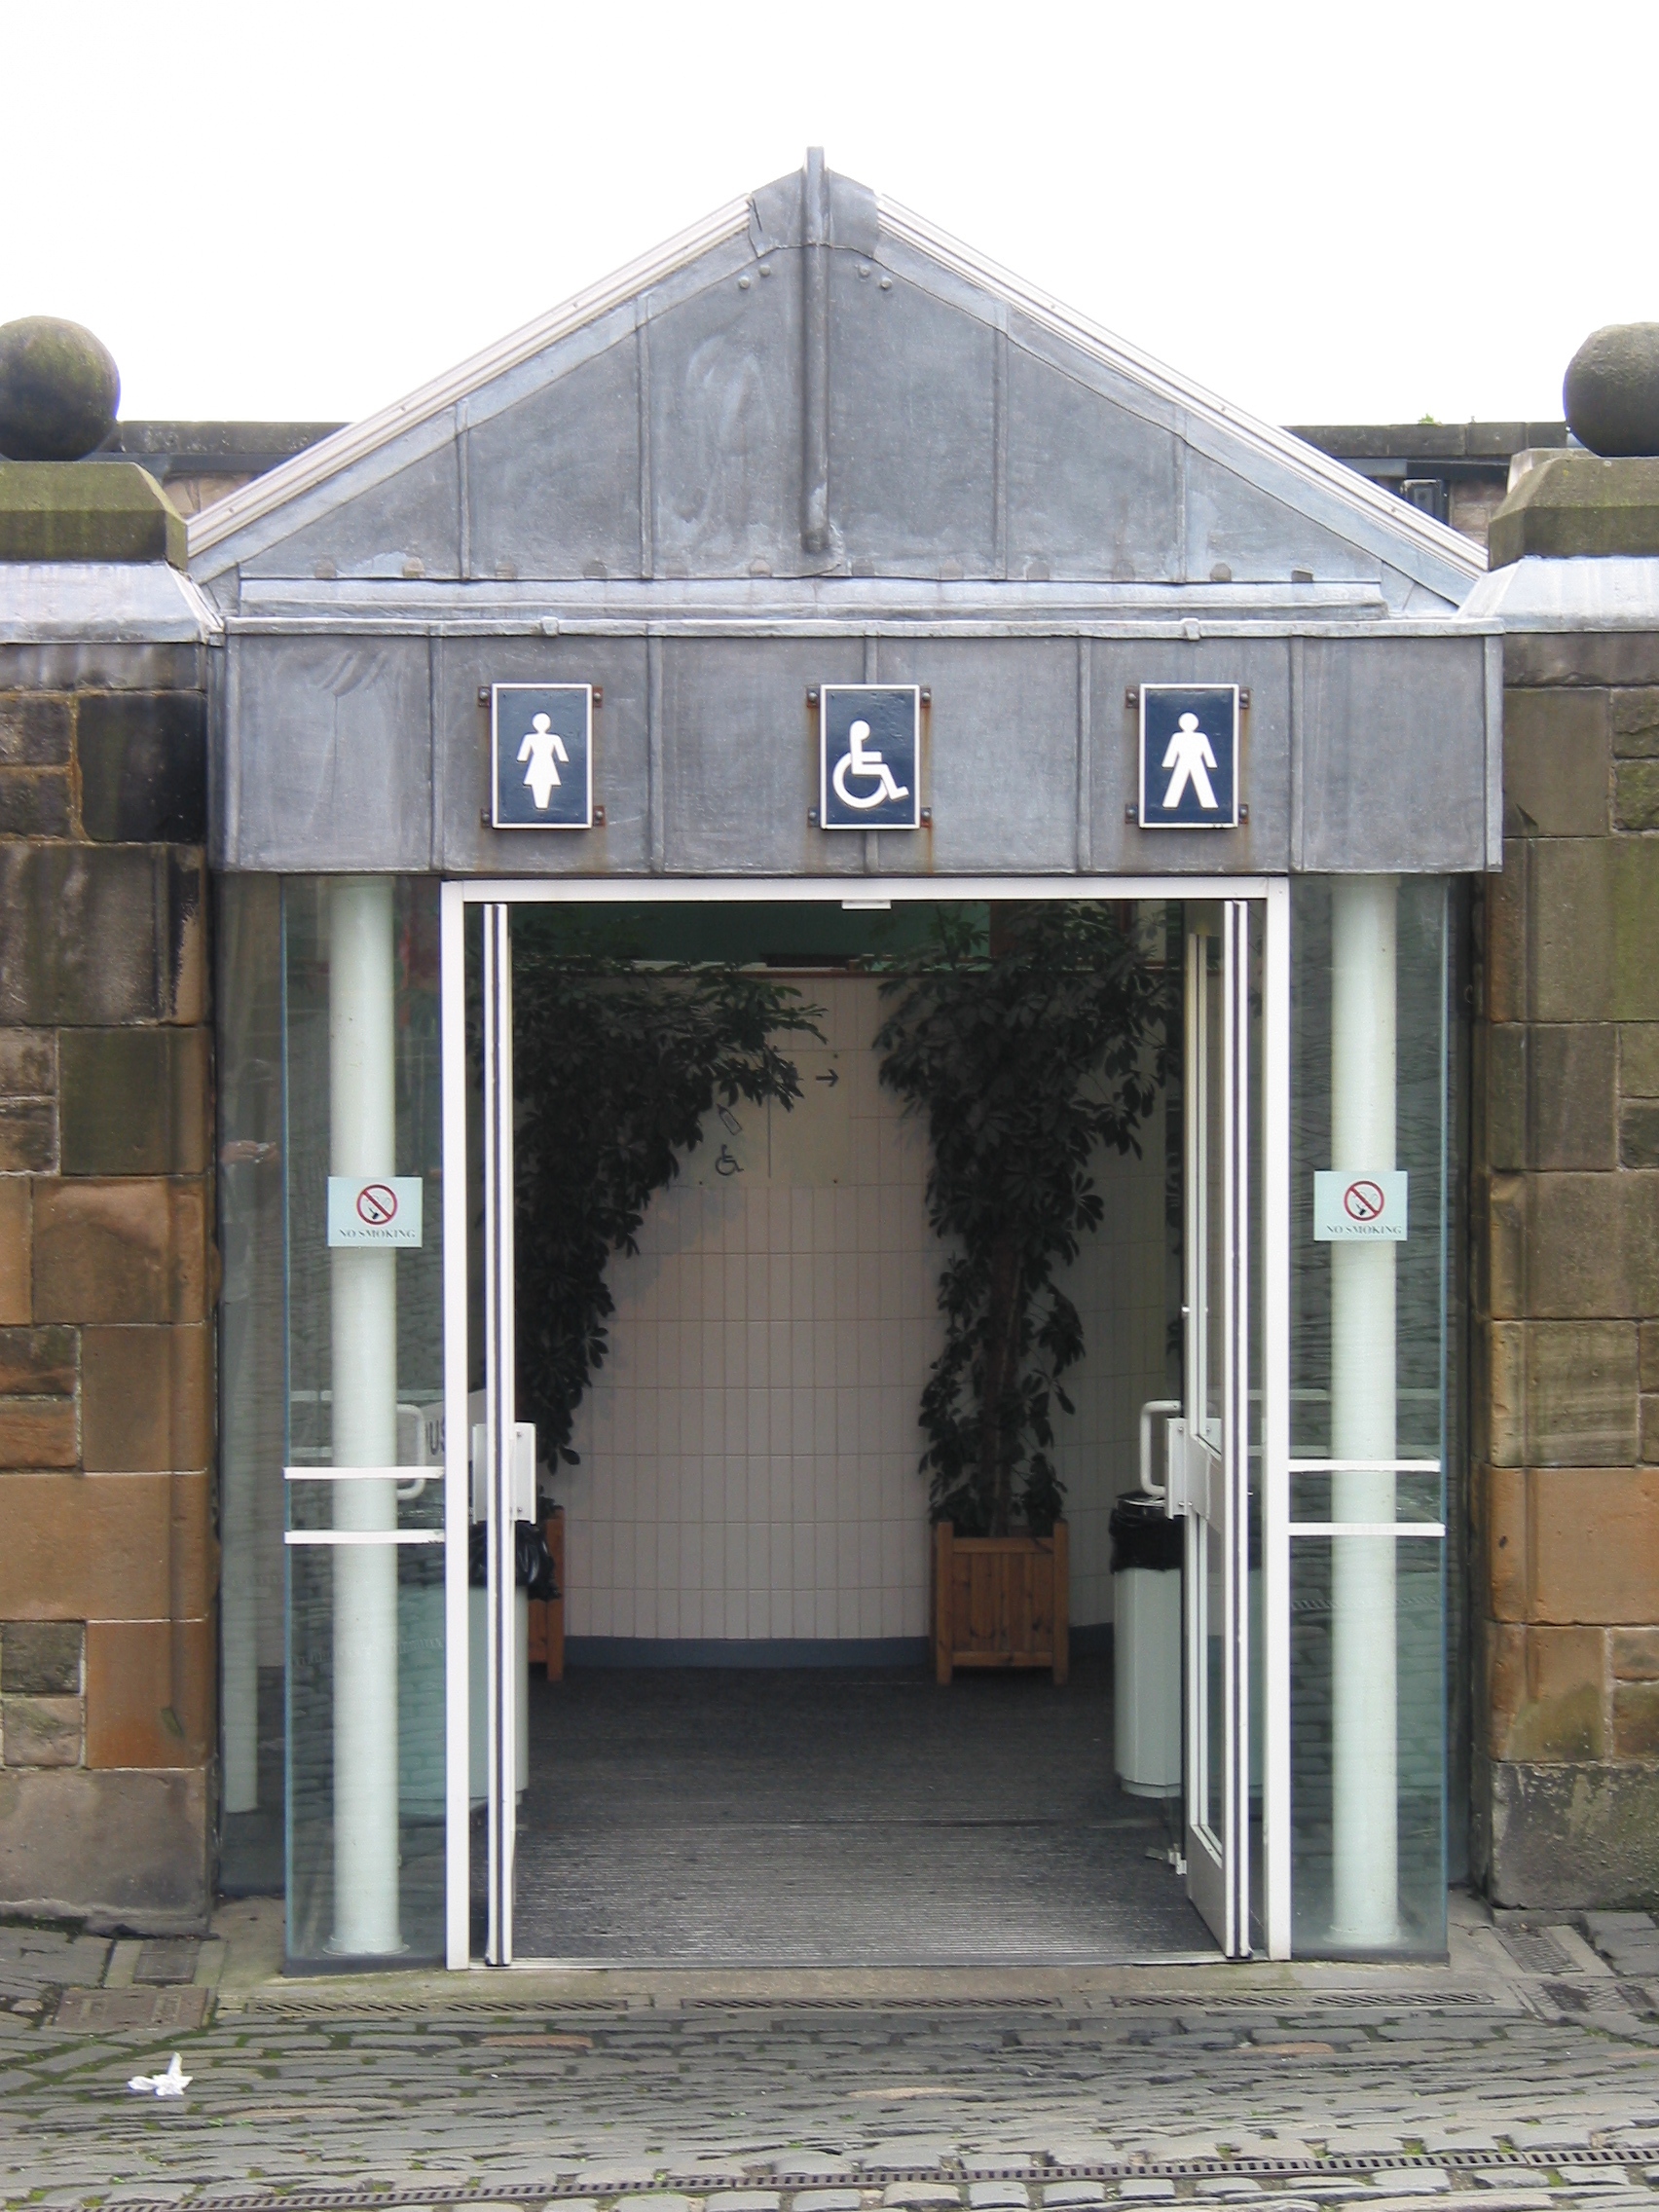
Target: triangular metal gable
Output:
[(813, 383)]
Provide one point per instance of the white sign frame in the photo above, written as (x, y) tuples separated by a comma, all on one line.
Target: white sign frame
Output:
[(1355, 1206), (358, 1216), (497, 693), (1151, 816)]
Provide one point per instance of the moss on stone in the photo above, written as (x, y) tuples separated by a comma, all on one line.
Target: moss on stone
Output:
[(1574, 506), (90, 510)]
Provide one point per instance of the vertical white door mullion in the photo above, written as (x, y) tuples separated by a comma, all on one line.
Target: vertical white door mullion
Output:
[(458, 1934), (1235, 1423), (1276, 1426), (501, 1639), (1194, 1177)]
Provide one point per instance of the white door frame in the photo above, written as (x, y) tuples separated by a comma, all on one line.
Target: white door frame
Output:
[(1274, 894)]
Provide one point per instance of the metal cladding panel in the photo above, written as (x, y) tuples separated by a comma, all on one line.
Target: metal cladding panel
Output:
[(725, 413), (1093, 491), (330, 763), (553, 481), (1262, 842), (411, 515), (621, 763), (739, 756), (912, 429), (1391, 755), (1001, 746), (1262, 538)]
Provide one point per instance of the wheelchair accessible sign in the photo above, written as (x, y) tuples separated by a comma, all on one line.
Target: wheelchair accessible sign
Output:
[(868, 757)]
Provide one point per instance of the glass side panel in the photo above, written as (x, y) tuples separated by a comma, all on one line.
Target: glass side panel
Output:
[(1369, 1108), (330, 1365), (1393, 1586)]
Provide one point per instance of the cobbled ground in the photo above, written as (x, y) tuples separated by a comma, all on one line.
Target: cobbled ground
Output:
[(1300, 2087)]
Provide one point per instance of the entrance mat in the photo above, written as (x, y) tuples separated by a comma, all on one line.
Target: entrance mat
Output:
[(837, 1817), (171, 2007)]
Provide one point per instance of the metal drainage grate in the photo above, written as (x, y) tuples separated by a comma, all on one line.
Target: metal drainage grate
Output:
[(556, 2191), (96, 2008), (1291, 2002), (167, 1959), (873, 2004), (1536, 1951), (299, 2005)]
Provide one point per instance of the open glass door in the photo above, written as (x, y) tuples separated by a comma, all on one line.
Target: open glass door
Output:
[(494, 1456), (1210, 1445)]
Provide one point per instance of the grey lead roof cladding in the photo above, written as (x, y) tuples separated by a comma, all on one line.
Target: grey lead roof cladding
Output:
[(813, 440), (973, 425)]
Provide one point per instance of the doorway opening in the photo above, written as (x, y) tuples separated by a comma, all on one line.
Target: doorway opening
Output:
[(732, 1745)]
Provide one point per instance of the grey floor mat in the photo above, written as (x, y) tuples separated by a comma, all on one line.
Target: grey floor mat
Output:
[(838, 1814)]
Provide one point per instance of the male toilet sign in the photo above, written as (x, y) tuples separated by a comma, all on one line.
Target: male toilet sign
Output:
[(542, 748), (1189, 757), (868, 759)]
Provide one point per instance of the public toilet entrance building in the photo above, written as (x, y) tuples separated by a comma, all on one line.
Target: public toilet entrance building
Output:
[(812, 588)]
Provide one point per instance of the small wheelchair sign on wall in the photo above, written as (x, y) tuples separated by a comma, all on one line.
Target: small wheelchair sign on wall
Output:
[(541, 747), (868, 757), (1189, 757)]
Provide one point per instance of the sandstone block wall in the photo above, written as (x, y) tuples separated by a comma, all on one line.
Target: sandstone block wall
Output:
[(1566, 1208), (107, 1566)]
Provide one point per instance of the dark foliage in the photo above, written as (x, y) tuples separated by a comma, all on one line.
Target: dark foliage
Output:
[(1024, 1053), (615, 1067)]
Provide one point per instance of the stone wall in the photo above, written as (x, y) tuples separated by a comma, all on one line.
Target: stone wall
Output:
[(107, 1571), (1567, 1283)]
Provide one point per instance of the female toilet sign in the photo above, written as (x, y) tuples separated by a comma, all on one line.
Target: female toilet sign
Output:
[(1189, 757), (868, 757), (542, 756)]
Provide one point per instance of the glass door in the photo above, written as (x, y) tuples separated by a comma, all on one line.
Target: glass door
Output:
[(1210, 1444), (492, 1441)]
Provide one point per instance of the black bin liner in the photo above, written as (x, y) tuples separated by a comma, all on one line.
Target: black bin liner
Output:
[(534, 1561), (1144, 1536)]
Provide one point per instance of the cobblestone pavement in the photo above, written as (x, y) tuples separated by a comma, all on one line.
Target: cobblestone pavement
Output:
[(1525, 2073)]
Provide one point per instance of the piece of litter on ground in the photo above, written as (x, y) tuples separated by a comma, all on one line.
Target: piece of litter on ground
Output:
[(172, 2083)]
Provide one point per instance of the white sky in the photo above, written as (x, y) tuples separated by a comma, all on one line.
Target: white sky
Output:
[(1336, 212)]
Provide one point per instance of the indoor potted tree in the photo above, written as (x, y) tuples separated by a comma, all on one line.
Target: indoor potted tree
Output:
[(1026, 1047)]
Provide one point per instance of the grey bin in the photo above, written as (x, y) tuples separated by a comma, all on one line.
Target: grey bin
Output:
[(1146, 1645)]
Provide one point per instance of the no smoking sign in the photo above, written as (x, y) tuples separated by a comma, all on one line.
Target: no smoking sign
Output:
[(374, 1213), (1350, 1206)]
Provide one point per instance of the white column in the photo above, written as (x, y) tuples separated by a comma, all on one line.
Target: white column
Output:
[(1365, 1813), (363, 1126)]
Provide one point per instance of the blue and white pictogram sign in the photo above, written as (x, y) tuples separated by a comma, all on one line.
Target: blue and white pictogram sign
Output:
[(868, 757), (1189, 757), (541, 745)]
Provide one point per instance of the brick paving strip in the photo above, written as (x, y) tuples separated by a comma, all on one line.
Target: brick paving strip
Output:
[(1525, 2074)]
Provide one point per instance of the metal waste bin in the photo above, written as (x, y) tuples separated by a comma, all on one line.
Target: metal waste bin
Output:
[(1146, 1646)]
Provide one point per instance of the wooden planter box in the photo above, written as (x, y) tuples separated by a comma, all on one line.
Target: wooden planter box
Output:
[(1001, 1600), (548, 1616)]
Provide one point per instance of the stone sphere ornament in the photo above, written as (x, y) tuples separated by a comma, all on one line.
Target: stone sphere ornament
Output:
[(58, 390), (1611, 391)]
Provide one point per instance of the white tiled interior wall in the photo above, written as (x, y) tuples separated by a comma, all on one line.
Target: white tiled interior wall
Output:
[(749, 1451)]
